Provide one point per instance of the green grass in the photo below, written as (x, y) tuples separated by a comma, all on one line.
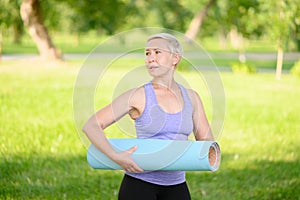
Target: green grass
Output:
[(42, 156), (72, 44), (67, 43)]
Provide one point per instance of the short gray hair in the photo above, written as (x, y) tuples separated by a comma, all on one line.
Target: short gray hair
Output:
[(174, 45)]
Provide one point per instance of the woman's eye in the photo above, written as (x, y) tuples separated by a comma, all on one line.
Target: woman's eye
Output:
[(157, 52), (147, 53)]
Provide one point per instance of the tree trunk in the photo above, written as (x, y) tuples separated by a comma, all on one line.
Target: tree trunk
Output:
[(18, 32), (237, 41), (32, 18), (279, 63), (196, 23), (297, 41)]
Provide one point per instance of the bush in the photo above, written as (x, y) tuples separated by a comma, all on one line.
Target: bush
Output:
[(245, 68), (295, 70)]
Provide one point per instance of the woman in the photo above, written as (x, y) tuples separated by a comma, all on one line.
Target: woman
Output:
[(161, 109)]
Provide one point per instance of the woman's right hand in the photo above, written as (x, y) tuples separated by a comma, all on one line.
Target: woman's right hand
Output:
[(124, 159)]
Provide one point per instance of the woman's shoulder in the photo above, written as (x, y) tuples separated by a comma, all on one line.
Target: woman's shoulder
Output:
[(191, 92), (138, 91), (137, 94), (193, 95)]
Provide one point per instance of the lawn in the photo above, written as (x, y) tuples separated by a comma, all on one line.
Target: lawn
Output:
[(72, 44), (43, 157)]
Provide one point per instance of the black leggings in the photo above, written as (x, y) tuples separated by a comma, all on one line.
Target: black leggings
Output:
[(134, 189)]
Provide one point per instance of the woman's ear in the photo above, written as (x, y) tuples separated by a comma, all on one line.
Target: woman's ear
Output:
[(176, 59)]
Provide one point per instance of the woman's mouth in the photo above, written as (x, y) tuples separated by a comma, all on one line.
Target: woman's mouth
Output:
[(152, 67)]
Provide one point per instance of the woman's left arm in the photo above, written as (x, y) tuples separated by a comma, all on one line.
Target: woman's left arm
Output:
[(202, 130)]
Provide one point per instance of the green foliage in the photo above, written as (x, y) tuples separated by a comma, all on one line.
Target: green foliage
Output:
[(42, 156), (278, 17), (172, 14), (236, 14), (295, 27), (9, 12), (56, 15), (106, 15), (169, 14), (296, 69), (245, 68), (10, 19), (251, 18)]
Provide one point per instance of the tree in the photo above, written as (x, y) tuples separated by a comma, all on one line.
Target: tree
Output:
[(171, 14), (197, 21), (110, 16), (32, 17), (10, 18), (100, 15), (295, 29), (234, 18), (279, 20)]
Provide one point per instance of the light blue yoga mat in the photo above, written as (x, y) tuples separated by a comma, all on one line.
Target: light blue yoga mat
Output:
[(155, 154)]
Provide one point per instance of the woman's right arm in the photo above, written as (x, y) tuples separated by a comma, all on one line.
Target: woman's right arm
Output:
[(94, 129)]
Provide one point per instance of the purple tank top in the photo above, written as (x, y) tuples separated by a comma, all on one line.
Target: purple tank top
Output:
[(157, 124)]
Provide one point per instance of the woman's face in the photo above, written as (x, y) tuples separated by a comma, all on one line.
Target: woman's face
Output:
[(159, 60)]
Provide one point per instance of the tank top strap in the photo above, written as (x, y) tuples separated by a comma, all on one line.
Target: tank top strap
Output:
[(151, 98), (150, 95), (186, 98)]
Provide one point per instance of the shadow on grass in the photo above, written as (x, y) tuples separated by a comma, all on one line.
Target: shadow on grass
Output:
[(256, 180), (37, 177), (56, 178)]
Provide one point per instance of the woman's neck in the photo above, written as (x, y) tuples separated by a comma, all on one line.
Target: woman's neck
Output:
[(167, 84)]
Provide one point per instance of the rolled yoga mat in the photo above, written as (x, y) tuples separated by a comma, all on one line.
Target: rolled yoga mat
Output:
[(156, 154)]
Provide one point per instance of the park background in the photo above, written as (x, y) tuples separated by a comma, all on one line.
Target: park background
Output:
[(254, 43)]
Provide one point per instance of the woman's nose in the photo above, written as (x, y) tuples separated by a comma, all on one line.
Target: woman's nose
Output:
[(151, 58)]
